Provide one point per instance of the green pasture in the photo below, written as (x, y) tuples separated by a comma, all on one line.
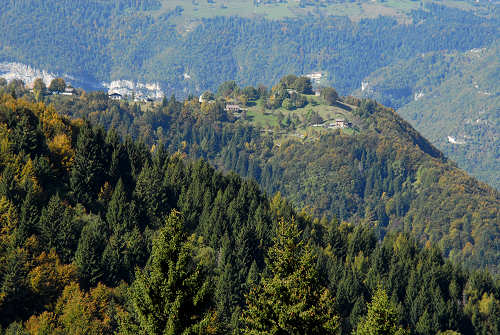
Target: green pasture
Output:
[(197, 9)]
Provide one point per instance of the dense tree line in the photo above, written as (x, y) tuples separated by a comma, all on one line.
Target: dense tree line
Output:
[(100, 235), (126, 40)]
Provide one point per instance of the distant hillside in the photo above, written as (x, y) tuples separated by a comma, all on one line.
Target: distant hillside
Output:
[(280, 9), (350, 159), (187, 47), (451, 98), (153, 41)]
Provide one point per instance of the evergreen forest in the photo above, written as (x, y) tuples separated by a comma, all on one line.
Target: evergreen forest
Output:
[(110, 225), (379, 171)]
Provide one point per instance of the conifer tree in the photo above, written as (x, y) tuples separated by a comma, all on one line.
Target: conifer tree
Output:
[(151, 194), (88, 173), (117, 215), (50, 222), (28, 219), (292, 300), (172, 295), (90, 249), (26, 135), (381, 318), (123, 249)]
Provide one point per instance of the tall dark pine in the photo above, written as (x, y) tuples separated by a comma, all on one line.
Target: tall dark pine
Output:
[(292, 300), (57, 230), (173, 294), (88, 256), (28, 219), (124, 249), (88, 173), (151, 194), (50, 219)]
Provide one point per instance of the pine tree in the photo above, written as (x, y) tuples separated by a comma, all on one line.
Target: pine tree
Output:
[(172, 295), (381, 317), (121, 221), (50, 221), (68, 235), (57, 229), (151, 194), (117, 216), (16, 297), (26, 135), (88, 173), (292, 300), (119, 165), (89, 253), (28, 219)]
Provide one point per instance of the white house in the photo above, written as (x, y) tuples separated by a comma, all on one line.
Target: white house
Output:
[(115, 96)]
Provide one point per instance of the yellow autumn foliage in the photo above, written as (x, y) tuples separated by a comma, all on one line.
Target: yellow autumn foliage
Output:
[(52, 123), (49, 276), (60, 147), (27, 175)]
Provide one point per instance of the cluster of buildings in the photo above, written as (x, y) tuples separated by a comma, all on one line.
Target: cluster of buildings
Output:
[(315, 77), (234, 108), (337, 124), (136, 98), (67, 91)]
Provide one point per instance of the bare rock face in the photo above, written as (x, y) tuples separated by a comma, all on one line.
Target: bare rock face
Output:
[(26, 73), (136, 89)]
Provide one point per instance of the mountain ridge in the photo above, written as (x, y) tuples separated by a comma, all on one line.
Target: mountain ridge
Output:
[(379, 170), (456, 106)]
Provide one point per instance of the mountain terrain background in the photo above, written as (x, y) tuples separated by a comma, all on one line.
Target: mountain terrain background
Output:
[(189, 47)]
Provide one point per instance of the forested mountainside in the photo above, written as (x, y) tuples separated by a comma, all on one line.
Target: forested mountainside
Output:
[(342, 158), (191, 46), (453, 99), (135, 40), (104, 236)]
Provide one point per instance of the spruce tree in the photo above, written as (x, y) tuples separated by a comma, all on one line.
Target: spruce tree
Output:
[(152, 194), (90, 249), (117, 215), (88, 169), (173, 294), (292, 300), (28, 219), (124, 249), (381, 318), (50, 222)]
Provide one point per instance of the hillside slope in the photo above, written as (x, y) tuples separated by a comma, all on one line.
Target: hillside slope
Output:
[(378, 170), (453, 99), (138, 40), (101, 236), (186, 47)]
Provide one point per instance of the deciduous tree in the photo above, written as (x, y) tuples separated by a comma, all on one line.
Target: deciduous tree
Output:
[(57, 85)]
